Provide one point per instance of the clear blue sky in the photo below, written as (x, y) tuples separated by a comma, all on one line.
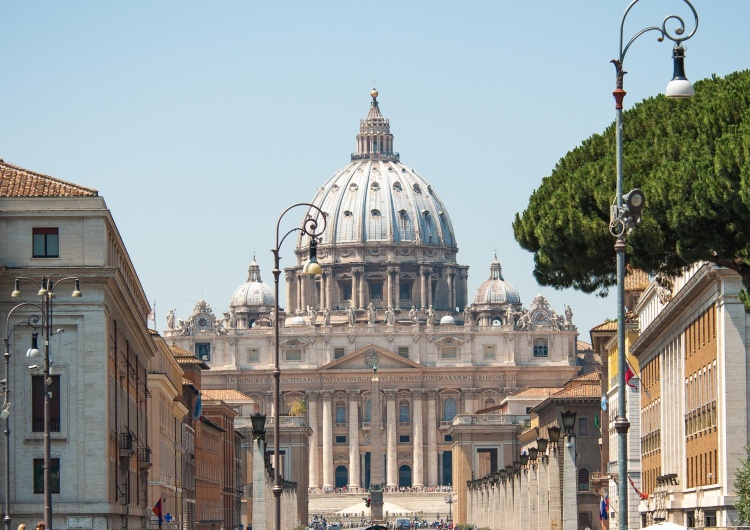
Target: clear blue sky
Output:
[(200, 122)]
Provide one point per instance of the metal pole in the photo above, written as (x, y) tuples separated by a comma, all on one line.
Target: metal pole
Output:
[(7, 436), (277, 489), (47, 304)]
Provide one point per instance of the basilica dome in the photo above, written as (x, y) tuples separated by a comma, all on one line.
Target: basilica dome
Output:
[(253, 293), (375, 199), (495, 290)]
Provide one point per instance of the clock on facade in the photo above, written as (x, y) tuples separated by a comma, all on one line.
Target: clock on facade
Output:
[(202, 322), (540, 317)]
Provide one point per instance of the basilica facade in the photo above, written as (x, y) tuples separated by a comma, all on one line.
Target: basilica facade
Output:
[(394, 296)]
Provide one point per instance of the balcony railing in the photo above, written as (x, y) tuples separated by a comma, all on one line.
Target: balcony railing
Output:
[(391, 157), (144, 457), (126, 445)]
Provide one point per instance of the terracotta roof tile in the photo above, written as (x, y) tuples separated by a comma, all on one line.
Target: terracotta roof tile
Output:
[(582, 346), (635, 280), (536, 391), (580, 391), (607, 325), (179, 353), (18, 182), (226, 394), (594, 377)]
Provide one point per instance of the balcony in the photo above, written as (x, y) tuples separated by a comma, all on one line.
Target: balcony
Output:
[(126, 449), (144, 457)]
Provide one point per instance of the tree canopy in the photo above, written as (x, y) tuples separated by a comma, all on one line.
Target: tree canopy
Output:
[(690, 158), (742, 488)]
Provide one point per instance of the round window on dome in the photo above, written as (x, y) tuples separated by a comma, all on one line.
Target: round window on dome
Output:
[(397, 186), (347, 213), (353, 187), (375, 213), (374, 186), (417, 189)]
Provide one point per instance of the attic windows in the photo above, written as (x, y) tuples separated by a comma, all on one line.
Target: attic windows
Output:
[(375, 186), (375, 213), (46, 242), (353, 186), (417, 189), (397, 186)]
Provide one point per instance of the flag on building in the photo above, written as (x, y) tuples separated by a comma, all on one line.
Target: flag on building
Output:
[(198, 409), (597, 421), (604, 508), (157, 510), (629, 374), (604, 402)]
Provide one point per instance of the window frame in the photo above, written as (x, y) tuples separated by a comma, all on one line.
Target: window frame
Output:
[(287, 351), (203, 351), (540, 348), (38, 389), (38, 475), (46, 235)]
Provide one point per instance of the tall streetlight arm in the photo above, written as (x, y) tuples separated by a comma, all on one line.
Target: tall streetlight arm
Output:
[(309, 227)]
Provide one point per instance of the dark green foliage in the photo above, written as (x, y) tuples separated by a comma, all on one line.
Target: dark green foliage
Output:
[(690, 157), (742, 488)]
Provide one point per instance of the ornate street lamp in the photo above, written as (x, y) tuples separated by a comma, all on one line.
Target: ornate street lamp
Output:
[(554, 434), (524, 459), (259, 426), (533, 454), (569, 423), (626, 212), (47, 293), (312, 267)]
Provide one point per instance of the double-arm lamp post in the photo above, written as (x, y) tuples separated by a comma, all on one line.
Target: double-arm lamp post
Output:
[(312, 267), (33, 321), (626, 212), (47, 293)]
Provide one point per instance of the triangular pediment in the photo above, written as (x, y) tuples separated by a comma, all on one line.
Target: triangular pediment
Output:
[(362, 359)]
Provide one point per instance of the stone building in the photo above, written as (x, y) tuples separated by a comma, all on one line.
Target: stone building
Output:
[(100, 348), (392, 293)]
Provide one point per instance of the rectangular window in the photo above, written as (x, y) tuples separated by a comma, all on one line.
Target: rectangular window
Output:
[(449, 352), (340, 414), (340, 439), (404, 439), (346, 291), (39, 475), (448, 438), (338, 353), (404, 290), (583, 426), (293, 354), (253, 355), (376, 290), (489, 351), (46, 242), (37, 403), (709, 518), (403, 413), (203, 351), (540, 348), (403, 351)]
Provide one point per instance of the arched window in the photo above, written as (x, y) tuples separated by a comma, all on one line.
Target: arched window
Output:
[(489, 403), (342, 477), (583, 480), (403, 412), (367, 411), (340, 412), (449, 409), (404, 476)]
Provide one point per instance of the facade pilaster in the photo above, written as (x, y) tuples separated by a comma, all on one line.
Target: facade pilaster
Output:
[(327, 396), (524, 504), (314, 462), (353, 396), (290, 290), (450, 274), (422, 289), (432, 454), (417, 468), (302, 291), (397, 290), (391, 439), (362, 298), (470, 396), (355, 304), (325, 288), (268, 403), (543, 481)]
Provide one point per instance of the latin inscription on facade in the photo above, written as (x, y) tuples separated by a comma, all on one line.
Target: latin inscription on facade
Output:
[(368, 378)]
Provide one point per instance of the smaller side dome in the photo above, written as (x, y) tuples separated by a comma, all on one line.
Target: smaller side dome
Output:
[(495, 290), (447, 320), (252, 293)]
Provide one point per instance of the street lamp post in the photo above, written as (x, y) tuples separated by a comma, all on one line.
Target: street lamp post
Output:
[(449, 500), (626, 212), (312, 267), (47, 293), (32, 321)]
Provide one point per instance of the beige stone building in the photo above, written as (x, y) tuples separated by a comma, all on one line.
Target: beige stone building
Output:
[(392, 293)]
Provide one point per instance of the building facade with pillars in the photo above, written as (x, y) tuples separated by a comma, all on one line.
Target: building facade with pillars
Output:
[(101, 349), (393, 293), (692, 356)]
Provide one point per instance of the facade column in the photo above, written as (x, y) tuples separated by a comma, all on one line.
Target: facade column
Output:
[(397, 290), (391, 440), (354, 288), (524, 504), (543, 489), (389, 298), (450, 274), (353, 396), (418, 464), (533, 495), (422, 290), (362, 288), (428, 284), (569, 493), (289, 290), (432, 454), (327, 438), (302, 294), (555, 493), (328, 275), (314, 463)]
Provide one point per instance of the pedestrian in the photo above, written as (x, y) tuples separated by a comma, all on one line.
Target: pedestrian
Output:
[(40, 525), (21, 526)]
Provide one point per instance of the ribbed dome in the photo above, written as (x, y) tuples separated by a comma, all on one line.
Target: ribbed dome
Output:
[(496, 290), (376, 198), (253, 292)]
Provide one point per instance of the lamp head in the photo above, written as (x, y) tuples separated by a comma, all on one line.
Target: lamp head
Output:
[(679, 87), (34, 350), (259, 425), (44, 289), (533, 453), (312, 267), (554, 434), (634, 201), (516, 466), (541, 444), (77, 290), (524, 459), (16, 289), (569, 421)]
